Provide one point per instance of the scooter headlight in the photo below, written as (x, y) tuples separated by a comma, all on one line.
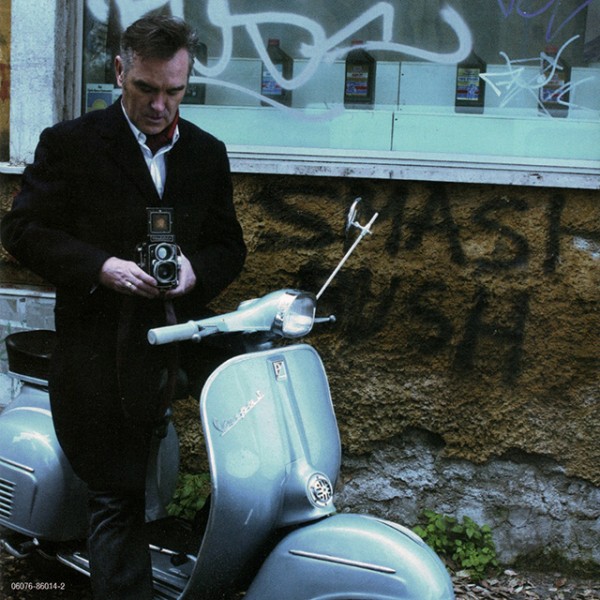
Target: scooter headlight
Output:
[(295, 314)]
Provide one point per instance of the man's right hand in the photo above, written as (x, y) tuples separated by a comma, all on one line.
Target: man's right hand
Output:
[(125, 277)]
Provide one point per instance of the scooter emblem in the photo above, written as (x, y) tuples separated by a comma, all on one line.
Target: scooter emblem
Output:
[(319, 490)]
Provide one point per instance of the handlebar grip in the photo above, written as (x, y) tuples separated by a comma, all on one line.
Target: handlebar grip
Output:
[(172, 333)]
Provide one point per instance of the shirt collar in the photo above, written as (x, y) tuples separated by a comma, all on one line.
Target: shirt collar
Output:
[(141, 136)]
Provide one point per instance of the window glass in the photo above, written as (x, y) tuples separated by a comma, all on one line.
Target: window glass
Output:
[(499, 79)]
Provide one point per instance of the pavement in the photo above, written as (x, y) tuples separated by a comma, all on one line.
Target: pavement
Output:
[(47, 580)]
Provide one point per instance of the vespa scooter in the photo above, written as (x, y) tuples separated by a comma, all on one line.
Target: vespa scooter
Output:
[(274, 453)]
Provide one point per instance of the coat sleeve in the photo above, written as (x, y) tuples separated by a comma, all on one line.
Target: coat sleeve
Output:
[(38, 231)]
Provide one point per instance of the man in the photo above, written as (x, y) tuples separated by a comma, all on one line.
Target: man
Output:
[(77, 221)]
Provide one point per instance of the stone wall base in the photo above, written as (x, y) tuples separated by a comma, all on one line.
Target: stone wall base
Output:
[(533, 508)]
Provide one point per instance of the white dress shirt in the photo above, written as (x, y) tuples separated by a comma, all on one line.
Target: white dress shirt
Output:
[(157, 165)]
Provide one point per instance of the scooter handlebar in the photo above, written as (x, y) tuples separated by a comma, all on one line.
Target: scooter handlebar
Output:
[(172, 333)]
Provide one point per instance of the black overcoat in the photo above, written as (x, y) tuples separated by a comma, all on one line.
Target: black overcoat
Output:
[(83, 200)]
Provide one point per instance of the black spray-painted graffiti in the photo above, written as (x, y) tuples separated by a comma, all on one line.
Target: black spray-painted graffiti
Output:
[(481, 322)]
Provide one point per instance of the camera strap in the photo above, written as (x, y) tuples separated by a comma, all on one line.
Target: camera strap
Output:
[(172, 363), (147, 376)]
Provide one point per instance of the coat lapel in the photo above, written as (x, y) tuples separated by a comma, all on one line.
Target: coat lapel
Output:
[(180, 168), (123, 148), (185, 167)]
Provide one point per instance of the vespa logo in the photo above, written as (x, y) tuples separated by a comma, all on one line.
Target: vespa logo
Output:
[(228, 424)]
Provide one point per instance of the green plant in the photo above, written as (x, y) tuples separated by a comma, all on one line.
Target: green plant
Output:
[(464, 545), (190, 495)]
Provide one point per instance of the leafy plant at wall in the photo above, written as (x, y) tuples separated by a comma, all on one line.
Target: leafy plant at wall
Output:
[(190, 495), (464, 545)]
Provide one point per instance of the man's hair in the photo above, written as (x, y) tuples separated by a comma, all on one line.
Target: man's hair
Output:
[(157, 37)]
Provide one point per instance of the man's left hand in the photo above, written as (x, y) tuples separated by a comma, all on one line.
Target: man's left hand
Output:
[(187, 279)]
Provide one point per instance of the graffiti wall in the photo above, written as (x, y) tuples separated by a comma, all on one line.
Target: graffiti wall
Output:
[(471, 312)]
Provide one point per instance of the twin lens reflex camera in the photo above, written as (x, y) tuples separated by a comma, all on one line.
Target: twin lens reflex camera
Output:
[(159, 255)]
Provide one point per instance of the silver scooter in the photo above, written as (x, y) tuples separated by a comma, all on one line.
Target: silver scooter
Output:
[(274, 453)]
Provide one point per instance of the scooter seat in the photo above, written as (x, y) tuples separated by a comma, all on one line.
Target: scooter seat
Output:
[(29, 353)]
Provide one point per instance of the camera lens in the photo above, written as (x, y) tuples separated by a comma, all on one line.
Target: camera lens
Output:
[(165, 272), (164, 251)]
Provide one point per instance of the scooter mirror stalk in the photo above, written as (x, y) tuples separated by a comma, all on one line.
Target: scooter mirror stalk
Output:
[(364, 230)]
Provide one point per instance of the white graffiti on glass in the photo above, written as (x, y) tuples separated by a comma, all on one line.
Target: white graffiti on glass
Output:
[(228, 424), (323, 49), (508, 83)]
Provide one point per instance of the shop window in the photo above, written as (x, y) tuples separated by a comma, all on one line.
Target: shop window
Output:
[(469, 90)]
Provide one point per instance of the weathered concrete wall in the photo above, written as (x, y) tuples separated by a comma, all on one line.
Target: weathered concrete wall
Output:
[(536, 512), (471, 314)]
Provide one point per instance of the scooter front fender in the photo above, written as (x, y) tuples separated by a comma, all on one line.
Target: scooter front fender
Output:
[(352, 557)]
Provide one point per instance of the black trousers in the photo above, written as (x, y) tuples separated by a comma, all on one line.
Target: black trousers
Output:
[(120, 563)]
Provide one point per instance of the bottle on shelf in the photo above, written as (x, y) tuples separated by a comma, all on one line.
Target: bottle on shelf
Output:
[(359, 83), (556, 73), (469, 93), (284, 64)]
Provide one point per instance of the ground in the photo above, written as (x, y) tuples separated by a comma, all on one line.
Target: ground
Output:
[(19, 580)]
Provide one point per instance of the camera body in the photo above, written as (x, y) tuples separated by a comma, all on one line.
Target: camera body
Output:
[(159, 255)]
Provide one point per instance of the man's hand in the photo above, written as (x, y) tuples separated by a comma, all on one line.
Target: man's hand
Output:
[(125, 277), (187, 279)]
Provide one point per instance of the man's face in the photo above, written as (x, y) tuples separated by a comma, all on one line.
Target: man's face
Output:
[(153, 89)]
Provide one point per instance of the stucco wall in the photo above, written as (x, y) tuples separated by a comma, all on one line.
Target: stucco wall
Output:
[(472, 313)]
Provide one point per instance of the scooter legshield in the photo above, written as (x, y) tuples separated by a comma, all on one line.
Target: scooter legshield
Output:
[(269, 426), (352, 557)]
